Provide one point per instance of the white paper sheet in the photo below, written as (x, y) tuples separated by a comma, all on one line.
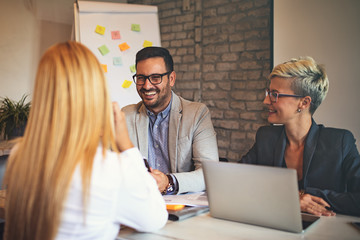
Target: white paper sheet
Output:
[(189, 199)]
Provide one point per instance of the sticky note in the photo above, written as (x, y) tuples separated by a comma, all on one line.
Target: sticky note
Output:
[(132, 68), (104, 66), (115, 35), (124, 46), (174, 207), (147, 43), (117, 61), (126, 83), (135, 27), (100, 30), (104, 50)]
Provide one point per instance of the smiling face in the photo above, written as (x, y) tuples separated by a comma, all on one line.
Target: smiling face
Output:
[(155, 97), (285, 109)]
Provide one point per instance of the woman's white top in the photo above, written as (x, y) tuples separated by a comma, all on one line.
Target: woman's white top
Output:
[(122, 192)]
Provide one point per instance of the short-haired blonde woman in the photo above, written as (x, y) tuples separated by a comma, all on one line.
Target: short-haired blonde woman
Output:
[(326, 159), (63, 181)]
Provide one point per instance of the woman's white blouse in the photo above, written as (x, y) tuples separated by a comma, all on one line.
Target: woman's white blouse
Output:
[(122, 192)]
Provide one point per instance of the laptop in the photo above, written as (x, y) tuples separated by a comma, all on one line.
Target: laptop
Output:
[(258, 195)]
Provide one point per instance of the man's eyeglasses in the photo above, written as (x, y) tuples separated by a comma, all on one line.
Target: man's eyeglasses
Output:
[(275, 95), (154, 79)]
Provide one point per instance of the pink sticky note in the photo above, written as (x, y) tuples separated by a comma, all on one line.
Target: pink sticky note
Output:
[(115, 35)]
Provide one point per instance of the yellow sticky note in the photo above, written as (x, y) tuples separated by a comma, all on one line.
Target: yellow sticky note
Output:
[(124, 46), (132, 68), (126, 84), (147, 43), (100, 29), (104, 66)]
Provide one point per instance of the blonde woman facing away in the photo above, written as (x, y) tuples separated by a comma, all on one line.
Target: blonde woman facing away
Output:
[(326, 159), (63, 181)]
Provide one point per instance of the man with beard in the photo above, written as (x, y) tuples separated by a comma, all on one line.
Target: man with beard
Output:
[(174, 134)]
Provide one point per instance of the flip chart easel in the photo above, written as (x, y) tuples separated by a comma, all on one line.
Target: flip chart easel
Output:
[(115, 32)]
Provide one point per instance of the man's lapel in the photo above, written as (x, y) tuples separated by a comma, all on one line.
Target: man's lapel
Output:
[(174, 123)]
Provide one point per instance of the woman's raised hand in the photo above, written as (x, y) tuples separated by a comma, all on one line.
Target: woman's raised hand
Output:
[(123, 141)]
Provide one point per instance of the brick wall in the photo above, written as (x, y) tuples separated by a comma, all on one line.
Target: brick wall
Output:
[(221, 51)]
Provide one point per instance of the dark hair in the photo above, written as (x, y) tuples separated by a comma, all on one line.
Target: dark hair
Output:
[(150, 52)]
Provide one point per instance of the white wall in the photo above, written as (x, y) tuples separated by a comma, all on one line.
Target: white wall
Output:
[(328, 31), (28, 28), (24, 38), (19, 49)]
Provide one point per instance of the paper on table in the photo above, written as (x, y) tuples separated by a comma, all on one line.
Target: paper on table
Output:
[(189, 199)]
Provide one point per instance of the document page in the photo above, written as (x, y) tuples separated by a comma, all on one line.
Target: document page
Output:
[(188, 199)]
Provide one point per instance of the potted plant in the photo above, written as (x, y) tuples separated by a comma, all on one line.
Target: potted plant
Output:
[(13, 117)]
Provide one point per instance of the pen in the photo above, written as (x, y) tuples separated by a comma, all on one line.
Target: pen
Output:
[(147, 164)]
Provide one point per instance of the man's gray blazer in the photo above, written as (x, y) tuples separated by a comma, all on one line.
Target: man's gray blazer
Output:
[(192, 139)]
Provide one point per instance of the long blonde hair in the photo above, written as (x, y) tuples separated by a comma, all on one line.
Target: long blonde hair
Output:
[(70, 116)]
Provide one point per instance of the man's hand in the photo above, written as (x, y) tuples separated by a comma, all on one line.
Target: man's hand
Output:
[(161, 179), (122, 138), (315, 205)]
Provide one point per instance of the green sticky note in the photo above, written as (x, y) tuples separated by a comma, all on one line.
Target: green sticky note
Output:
[(132, 68), (104, 50), (135, 27), (117, 61)]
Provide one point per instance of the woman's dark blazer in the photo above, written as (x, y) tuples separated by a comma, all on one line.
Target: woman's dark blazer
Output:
[(331, 167)]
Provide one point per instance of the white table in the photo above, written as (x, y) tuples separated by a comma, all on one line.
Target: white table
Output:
[(206, 227)]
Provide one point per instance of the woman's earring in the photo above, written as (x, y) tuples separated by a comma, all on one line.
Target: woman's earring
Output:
[(298, 110)]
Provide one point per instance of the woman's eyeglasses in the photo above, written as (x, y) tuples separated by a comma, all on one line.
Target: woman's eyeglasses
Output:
[(275, 95)]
